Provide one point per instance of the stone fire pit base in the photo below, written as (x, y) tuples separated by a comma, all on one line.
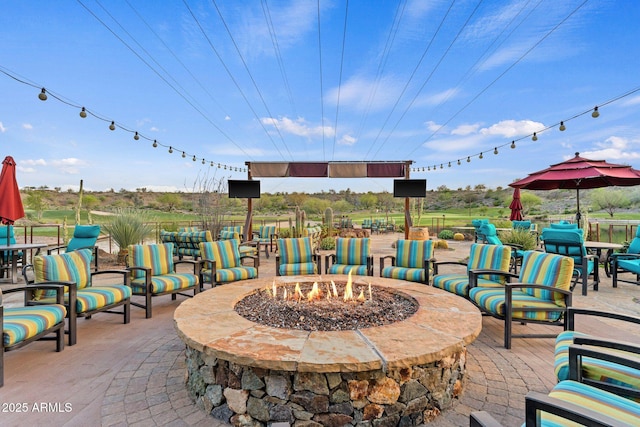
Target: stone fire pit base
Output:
[(246, 396)]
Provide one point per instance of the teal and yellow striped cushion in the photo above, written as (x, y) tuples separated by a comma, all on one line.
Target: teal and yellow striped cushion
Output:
[(295, 250), (624, 410), (265, 232), (95, 297), (224, 252), (358, 270), (459, 283), (298, 269), (490, 257), (412, 253), (231, 274), (166, 283), (554, 271), (22, 323), (596, 369), (159, 258), (492, 300), (404, 273), (227, 234), (352, 251), (233, 228), (68, 267)]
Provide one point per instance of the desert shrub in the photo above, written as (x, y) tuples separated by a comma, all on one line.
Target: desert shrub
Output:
[(520, 237), (446, 234), (442, 244), (328, 243), (129, 227), (458, 236)]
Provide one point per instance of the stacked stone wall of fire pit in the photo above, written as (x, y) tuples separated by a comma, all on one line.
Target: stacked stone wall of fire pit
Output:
[(248, 396)]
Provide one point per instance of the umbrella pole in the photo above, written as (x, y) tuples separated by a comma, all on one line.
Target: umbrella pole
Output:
[(578, 214), (8, 234)]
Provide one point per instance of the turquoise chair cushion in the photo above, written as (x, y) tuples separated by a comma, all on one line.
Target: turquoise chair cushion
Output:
[(233, 274), (563, 225), (297, 269), (84, 236), (404, 273), (165, 283), (22, 323), (521, 225), (359, 270), (596, 369)]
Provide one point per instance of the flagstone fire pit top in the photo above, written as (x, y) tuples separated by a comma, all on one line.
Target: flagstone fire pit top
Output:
[(442, 325)]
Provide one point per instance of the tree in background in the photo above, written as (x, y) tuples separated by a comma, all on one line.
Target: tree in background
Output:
[(529, 202), (368, 201), (609, 200), (170, 200), (37, 201)]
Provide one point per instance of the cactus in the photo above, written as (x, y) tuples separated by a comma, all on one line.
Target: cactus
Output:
[(328, 221), (298, 230)]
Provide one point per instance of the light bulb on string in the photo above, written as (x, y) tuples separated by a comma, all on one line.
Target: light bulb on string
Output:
[(194, 158), (155, 144), (112, 126), (211, 164), (469, 159), (183, 155), (218, 165), (449, 164), (225, 167), (495, 150), (440, 165), (429, 168), (562, 127), (595, 113), (203, 161), (458, 162), (136, 136), (170, 150), (513, 144), (83, 113), (534, 137), (42, 95), (480, 156)]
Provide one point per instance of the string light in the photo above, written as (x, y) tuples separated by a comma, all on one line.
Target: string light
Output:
[(495, 150), (469, 159), (136, 136), (440, 165), (43, 95), (480, 156), (513, 144), (595, 113), (155, 144), (183, 155), (83, 113), (203, 161), (194, 158), (449, 164), (562, 127), (112, 126), (170, 150), (534, 137), (458, 162)]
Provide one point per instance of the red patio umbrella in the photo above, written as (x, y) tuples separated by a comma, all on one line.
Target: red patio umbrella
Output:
[(516, 206), (580, 173), (11, 208)]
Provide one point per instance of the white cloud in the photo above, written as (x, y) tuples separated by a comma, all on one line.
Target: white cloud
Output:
[(2, 128), (466, 129), (154, 129), (27, 126), (512, 128), (227, 118), (437, 98), (432, 126), (614, 148), (69, 165), (33, 162), (298, 127), (347, 140)]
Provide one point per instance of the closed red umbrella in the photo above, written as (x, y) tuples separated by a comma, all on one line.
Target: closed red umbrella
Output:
[(580, 173), (11, 208), (516, 206)]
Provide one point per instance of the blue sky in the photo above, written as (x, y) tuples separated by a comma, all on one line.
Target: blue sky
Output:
[(236, 81)]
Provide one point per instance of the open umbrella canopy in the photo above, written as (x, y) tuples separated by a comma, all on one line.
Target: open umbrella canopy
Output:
[(10, 202), (516, 206), (580, 173)]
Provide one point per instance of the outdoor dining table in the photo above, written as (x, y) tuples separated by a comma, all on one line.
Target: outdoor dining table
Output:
[(598, 247), (15, 248)]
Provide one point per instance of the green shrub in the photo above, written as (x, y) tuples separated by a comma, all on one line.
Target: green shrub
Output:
[(520, 237), (328, 243), (129, 227), (446, 234)]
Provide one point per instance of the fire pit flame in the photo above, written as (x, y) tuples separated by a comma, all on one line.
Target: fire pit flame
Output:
[(316, 294)]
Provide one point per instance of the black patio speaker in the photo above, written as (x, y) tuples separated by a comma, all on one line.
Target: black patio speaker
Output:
[(244, 189), (409, 187)]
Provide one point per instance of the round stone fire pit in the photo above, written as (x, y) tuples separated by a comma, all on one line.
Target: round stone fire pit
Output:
[(402, 373)]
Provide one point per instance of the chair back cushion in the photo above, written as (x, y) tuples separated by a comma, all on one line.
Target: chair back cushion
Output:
[(67, 267), (489, 234), (634, 246), (489, 257), (295, 250), (567, 242), (563, 225), (352, 251), (554, 271), (412, 253), (3, 234), (229, 234), (158, 257), (224, 252), (236, 228), (84, 236), (521, 225), (266, 231), (188, 229)]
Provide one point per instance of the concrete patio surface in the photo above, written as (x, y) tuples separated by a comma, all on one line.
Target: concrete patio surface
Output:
[(134, 374)]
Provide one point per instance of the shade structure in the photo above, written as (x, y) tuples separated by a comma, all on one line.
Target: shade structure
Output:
[(11, 208), (580, 173), (516, 206)]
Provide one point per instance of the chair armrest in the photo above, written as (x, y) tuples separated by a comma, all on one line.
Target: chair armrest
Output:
[(125, 274), (194, 263), (573, 311), (56, 286), (514, 246), (536, 402), (624, 255), (607, 343), (256, 260), (439, 263), (473, 275), (566, 293), (55, 248), (327, 258), (482, 419)]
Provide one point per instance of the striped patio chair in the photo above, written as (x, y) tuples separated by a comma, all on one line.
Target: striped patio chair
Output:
[(82, 298), (24, 324), (481, 257), (353, 255), (412, 261), (222, 263), (265, 235), (542, 294), (153, 273), (296, 257)]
